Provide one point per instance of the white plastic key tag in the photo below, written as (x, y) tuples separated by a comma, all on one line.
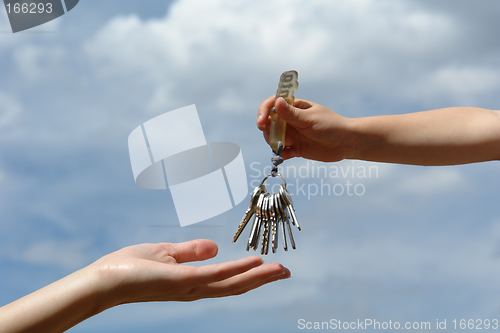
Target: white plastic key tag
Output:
[(286, 88)]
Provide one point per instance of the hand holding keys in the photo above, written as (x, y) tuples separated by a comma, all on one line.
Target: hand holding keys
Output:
[(273, 211)]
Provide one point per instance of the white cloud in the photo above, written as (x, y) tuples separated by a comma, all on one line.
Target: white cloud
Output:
[(65, 254), (230, 100), (461, 83), (37, 63), (163, 99), (224, 50), (435, 180), (467, 80)]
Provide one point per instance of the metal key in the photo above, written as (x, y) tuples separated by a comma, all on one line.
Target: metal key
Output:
[(286, 220), (286, 217), (287, 200), (250, 210), (274, 223), (265, 223), (256, 222), (280, 218), (262, 220)]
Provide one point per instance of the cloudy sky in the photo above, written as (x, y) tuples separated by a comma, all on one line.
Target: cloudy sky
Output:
[(412, 244)]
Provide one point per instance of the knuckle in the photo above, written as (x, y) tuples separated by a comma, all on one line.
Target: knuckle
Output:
[(293, 113), (219, 274)]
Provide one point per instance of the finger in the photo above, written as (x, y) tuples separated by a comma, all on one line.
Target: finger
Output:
[(289, 153), (218, 272), (241, 288), (302, 104), (266, 136), (247, 281), (195, 250), (288, 138), (263, 113), (290, 132), (293, 115)]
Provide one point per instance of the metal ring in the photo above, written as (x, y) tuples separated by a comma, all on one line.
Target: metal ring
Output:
[(269, 175)]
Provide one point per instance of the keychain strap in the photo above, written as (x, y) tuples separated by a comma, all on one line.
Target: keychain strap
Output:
[(277, 159)]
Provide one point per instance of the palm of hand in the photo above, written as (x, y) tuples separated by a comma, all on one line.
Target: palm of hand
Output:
[(153, 272)]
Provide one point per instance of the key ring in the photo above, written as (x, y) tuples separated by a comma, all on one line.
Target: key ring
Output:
[(277, 175)]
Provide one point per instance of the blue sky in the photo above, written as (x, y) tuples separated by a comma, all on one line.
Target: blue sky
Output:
[(420, 243)]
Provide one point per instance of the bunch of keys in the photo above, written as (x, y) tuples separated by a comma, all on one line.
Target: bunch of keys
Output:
[(273, 211)]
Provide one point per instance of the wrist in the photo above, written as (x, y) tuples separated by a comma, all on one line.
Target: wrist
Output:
[(353, 139), (106, 286), (89, 294)]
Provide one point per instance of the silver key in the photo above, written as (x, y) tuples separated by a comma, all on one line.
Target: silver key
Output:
[(280, 219), (254, 234), (274, 223), (286, 220), (261, 221), (265, 223), (250, 210), (287, 200)]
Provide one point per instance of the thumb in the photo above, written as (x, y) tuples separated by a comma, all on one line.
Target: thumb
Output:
[(289, 113)]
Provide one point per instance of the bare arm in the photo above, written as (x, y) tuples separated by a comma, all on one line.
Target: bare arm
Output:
[(140, 273), (448, 136), (439, 137)]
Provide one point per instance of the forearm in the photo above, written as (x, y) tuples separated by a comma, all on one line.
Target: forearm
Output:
[(56, 307), (438, 137)]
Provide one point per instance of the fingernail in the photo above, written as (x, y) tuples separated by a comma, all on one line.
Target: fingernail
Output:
[(285, 272)]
